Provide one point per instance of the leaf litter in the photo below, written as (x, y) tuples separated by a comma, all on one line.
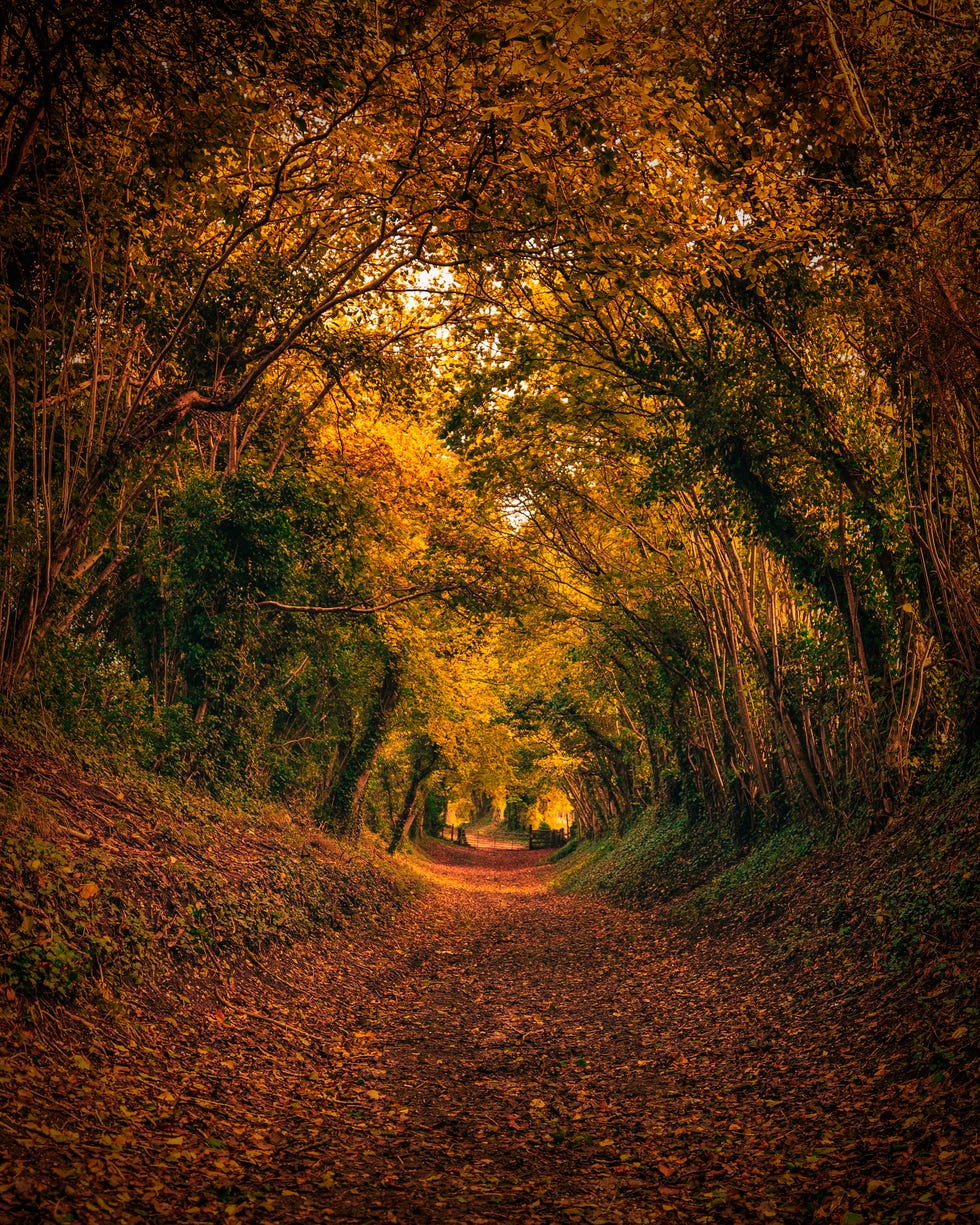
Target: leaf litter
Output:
[(498, 1052)]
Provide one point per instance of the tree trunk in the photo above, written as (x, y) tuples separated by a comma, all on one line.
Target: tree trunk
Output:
[(340, 810), (425, 758)]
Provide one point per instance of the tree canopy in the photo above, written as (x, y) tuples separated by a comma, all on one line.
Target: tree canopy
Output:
[(409, 402)]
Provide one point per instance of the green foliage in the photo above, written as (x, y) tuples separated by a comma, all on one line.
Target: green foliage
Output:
[(83, 686), (570, 847), (191, 622), (61, 937), (660, 857), (434, 814), (735, 887)]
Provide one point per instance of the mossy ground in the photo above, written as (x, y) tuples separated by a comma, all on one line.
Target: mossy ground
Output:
[(891, 919), (106, 877)]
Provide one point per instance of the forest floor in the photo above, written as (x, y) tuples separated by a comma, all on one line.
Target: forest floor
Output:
[(499, 1053)]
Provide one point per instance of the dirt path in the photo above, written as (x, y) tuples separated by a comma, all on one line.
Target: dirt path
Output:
[(504, 1054)]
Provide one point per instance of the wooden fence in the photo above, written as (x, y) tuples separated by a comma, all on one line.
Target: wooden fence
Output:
[(539, 839)]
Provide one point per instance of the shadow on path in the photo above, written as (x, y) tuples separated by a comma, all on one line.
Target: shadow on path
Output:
[(500, 1053)]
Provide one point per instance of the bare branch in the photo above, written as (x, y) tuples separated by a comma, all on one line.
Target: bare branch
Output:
[(359, 609)]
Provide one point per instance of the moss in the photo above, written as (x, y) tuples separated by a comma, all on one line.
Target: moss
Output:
[(661, 856)]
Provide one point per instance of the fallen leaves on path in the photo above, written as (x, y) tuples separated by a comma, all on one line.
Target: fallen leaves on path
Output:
[(499, 1053)]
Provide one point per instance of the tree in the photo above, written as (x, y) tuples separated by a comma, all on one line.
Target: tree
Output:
[(199, 203), (423, 759)]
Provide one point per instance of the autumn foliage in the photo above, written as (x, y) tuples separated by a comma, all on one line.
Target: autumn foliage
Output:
[(488, 415)]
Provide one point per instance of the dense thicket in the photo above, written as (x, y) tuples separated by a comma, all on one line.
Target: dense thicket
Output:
[(411, 401)]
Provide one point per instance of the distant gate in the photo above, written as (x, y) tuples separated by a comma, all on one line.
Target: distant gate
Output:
[(539, 839)]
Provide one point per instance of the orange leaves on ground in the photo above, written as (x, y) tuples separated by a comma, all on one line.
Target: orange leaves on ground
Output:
[(470, 1064)]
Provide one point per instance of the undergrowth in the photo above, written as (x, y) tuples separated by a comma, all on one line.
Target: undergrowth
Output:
[(661, 856), (900, 907), (111, 879)]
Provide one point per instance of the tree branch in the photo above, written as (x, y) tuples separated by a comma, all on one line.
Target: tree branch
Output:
[(360, 609)]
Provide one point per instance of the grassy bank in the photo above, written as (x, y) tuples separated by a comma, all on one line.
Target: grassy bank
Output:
[(885, 922), (107, 877)]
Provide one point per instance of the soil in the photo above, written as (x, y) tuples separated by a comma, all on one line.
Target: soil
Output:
[(499, 1053)]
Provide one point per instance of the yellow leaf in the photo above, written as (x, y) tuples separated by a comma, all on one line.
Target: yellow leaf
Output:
[(537, 1103), (959, 1032)]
